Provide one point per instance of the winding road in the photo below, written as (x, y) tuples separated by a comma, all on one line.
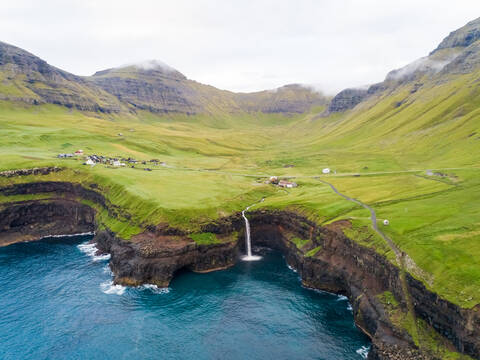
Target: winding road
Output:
[(373, 218)]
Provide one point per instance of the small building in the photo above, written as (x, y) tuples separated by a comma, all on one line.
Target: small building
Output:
[(117, 163), (287, 184), (326, 171), (89, 162), (386, 222)]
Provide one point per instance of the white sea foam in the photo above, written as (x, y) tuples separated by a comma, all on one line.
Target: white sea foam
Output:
[(342, 298), (251, 258), (109, 288), (70, 235), (155, 289), (107, 270), (91, 249), (292, 268), (363, 351), (102, 257), (349, 307)]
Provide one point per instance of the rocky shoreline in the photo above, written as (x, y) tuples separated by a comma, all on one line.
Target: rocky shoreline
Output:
[(330, 261)]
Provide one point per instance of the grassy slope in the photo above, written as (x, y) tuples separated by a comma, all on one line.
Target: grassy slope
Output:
[(433, 219)]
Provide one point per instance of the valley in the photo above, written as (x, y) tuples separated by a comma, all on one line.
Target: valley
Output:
[(407, 150)]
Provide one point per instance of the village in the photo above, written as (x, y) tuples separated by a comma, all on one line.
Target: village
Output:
[(94, 159)]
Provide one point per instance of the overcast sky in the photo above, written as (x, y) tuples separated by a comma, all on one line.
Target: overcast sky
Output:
[(239, 45)]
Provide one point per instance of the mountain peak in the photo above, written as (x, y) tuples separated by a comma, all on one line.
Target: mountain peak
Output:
[(147, 67), (463, 37)]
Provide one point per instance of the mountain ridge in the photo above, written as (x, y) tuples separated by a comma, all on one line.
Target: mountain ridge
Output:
[(151, 86)]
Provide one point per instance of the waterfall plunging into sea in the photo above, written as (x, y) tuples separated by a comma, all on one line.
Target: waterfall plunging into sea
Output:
[(248, 240)]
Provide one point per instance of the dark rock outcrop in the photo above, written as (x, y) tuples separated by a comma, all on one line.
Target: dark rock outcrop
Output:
[(463, 37), (467, 62), (154, 259), (347, 99), (33, 220), (33, 171)]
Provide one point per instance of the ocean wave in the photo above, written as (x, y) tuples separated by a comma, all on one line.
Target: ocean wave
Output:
[(91, 249), (342, 298), (155, 289), (363, 351), (108, 287), (349, 307)]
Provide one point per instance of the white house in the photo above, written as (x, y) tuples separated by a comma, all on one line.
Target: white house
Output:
[(117, 163), (90, 162), (326, 171), (287, 184), (386, 222)]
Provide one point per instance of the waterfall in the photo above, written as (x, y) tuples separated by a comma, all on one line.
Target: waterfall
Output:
[(248, 240)]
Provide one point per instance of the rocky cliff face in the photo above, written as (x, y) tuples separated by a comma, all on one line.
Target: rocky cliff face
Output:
[(154, 258), (156, 89), (347, 99), (33, 220)]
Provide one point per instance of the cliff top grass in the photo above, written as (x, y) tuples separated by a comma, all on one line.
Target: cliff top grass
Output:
[(216, 166)]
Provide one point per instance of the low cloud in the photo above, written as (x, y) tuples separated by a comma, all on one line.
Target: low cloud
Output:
[(422, 65), (149, 65)]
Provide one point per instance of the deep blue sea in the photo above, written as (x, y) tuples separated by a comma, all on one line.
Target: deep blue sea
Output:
[(57, 302)]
